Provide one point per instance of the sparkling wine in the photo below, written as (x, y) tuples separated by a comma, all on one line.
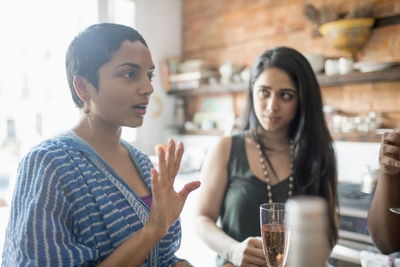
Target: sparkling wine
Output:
[(275, 244)]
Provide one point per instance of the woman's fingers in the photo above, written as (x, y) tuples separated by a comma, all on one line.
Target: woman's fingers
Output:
[(171, 155), (154, 181), (389, 156), (257, 249), (389, 159), (254, 252), (390, 162), (170, 160), (258, 242), (178, 158), (162, 164), (392, 138), (391, 151), (189, 187)]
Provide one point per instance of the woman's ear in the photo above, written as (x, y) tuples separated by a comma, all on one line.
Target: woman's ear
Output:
[(81, 88)]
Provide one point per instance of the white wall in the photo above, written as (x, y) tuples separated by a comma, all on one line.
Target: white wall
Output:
[(352, 158), (160, 23)]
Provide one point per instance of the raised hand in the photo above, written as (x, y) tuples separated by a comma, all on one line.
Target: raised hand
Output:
[(248, 253), (167, 204), (389, 155)]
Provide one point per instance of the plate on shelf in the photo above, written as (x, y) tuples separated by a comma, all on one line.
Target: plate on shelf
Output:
[(373, 66)]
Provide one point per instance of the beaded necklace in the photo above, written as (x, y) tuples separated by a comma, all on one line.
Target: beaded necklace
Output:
[(266, 176)]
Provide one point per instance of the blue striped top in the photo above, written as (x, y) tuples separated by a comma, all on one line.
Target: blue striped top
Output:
[(70, 208)]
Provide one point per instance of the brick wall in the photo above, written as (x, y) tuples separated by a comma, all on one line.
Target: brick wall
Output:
[(239, 30)]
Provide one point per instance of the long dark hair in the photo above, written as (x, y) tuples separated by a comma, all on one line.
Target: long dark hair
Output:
[(314, 166)]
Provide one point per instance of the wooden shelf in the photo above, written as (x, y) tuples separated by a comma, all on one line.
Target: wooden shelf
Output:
[(211, 90), (201, 132), (390, 74), (357, 137)]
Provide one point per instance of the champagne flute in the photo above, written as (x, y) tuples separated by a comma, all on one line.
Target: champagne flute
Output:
[(395, 210), (274, 234)]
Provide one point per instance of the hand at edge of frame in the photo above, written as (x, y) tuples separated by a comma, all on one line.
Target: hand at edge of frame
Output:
[(389, 154)]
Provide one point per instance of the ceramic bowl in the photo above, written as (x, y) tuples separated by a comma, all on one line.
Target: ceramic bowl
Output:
[(348, 34)]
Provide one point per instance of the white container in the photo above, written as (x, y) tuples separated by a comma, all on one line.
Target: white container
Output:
[(331, 67), (316, 61), (306, 220), (345, 65)]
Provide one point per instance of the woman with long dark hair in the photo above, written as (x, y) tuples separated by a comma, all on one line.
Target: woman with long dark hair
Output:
[(284, 150)]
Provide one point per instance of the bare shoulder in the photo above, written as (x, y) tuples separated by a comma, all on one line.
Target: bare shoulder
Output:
[(225, 142), (219, 154), (223, 146)]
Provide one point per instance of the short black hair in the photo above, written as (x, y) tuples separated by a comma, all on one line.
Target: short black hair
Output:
[(93, 48)]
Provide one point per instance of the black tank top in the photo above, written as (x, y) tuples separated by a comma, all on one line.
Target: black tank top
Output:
[(239, 216)]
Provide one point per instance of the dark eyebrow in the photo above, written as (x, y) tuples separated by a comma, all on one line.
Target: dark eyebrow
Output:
[(281, 89), (288, 89), (132, 65), (263, 86), (136, 66)]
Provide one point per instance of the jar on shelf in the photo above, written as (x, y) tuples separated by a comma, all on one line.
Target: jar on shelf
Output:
[(179, 113)]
